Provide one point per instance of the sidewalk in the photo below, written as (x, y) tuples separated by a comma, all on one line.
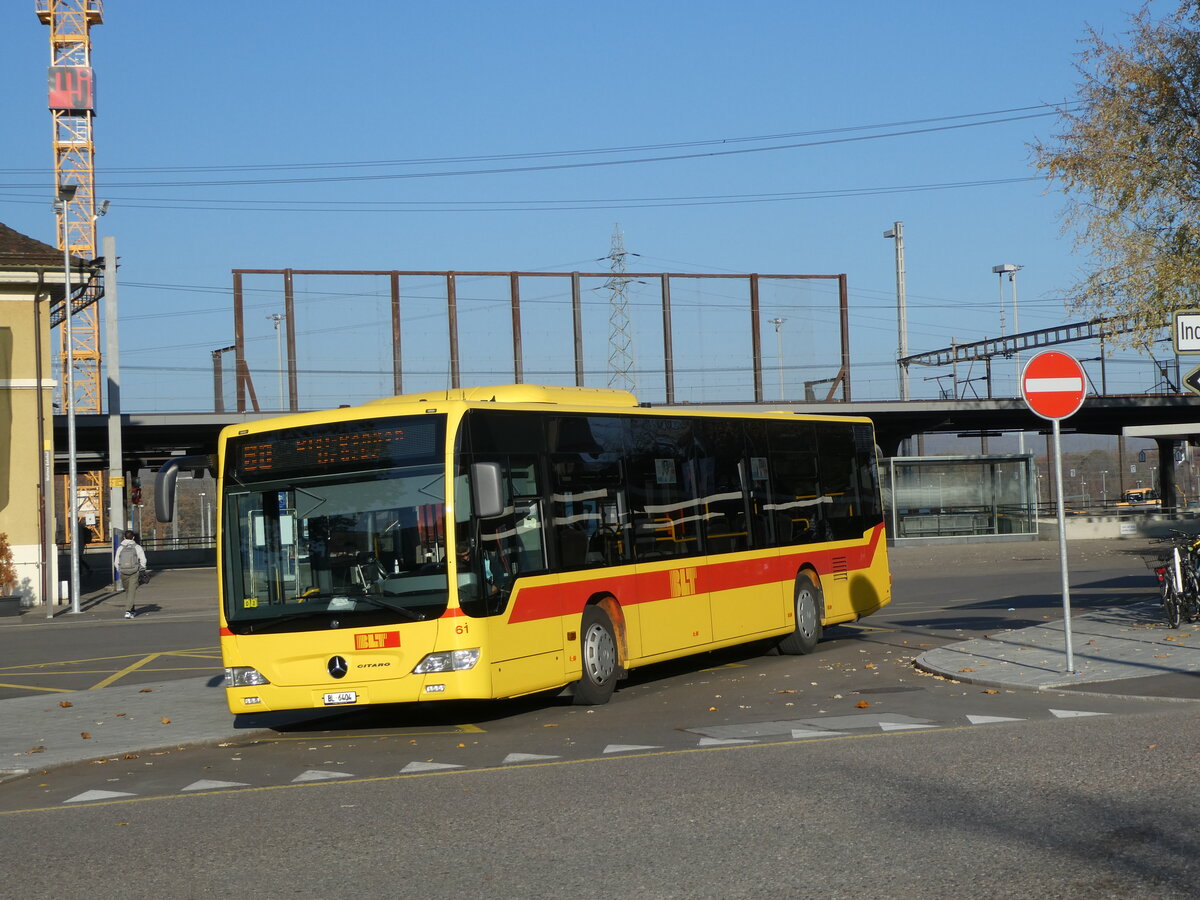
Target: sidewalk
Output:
[(1115, 644), (1120, 648), (39, 731)]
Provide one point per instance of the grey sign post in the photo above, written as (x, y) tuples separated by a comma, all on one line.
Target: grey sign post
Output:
[(1053, 385)]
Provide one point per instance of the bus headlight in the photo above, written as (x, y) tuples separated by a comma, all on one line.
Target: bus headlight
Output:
[(244, 676), (449, 661)]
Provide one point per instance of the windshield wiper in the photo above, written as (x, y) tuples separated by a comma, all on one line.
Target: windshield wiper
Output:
[(377, 600), (285, 619)]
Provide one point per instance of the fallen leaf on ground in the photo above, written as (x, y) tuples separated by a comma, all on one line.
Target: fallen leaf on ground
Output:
[(38, 749), (65, 704), (166, 721), (84, 735), (862, 704), (966, 670)]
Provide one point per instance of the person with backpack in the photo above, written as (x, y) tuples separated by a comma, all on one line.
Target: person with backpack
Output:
[(130, 561)]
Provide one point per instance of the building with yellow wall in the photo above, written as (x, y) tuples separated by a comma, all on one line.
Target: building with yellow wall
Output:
[(31, 276)]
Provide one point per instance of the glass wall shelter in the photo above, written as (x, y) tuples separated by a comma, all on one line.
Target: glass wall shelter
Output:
[(957, 496)]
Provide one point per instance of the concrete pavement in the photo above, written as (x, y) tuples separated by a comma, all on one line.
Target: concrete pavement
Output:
[(1109, 647), (1123, 649)]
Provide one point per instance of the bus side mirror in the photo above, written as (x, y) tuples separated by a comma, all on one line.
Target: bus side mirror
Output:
[(486, 493), (164, 482)]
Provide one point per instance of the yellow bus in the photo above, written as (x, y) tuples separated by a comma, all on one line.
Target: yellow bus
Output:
[(503, 541)]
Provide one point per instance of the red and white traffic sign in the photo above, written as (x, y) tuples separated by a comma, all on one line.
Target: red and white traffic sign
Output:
[(1054, 385)]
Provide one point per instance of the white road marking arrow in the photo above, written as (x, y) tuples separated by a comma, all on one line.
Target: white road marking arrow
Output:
[(1073, 713), (205, 785), (525, 757), (988, 720), (427, 767), (318, 775), (89, 796)]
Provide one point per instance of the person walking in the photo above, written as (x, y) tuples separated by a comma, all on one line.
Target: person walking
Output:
[(130, 560)]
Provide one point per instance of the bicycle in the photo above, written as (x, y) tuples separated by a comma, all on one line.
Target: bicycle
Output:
[(1170, 585), (1179, 579)]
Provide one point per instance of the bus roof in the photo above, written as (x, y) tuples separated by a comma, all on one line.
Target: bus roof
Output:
[(519, 393), (517, 396)]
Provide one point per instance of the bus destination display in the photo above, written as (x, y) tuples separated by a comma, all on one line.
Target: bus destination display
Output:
[(339, 447)]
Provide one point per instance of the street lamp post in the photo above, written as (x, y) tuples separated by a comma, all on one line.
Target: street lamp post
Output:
[(778, 323), (1011, 270), (66, 193), (277, 318), (896, 232)]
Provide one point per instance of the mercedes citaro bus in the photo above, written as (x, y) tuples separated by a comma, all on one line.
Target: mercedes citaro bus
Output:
[(501, 541)]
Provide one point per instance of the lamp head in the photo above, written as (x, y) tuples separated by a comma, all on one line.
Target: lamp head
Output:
[(66, 192)]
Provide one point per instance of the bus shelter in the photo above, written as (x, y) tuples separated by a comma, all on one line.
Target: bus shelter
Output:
[(961, 496)]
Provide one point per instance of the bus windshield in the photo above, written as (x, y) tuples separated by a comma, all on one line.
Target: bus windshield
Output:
[(369, 547)]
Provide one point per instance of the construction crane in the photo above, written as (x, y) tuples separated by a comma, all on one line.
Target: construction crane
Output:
[(72, 109)]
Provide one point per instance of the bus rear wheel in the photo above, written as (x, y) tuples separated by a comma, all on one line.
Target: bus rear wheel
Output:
[(598, 650), (809, 604)]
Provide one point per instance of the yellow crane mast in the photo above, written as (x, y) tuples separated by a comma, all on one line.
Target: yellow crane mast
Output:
[(72, 99)]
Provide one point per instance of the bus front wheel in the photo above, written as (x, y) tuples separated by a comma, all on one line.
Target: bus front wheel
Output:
[(809, 604), (598, 649)]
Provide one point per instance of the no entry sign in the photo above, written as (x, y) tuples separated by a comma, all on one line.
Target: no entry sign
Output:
[(1053, 384)]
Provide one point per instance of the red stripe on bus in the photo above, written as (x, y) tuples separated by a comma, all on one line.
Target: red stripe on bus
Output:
[(550, 601)]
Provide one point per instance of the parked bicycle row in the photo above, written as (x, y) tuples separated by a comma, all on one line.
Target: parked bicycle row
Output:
[(1178, 575)]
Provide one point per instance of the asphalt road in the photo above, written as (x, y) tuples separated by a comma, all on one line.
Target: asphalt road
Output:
[(864, 777), (1088, 807)]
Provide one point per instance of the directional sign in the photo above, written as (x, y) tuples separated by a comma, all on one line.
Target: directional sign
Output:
[(1191, 380), (1185, 333), (1053, 384)]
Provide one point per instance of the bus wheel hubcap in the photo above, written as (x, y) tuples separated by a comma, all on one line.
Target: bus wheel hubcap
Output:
[(806, 612), (599, 654)]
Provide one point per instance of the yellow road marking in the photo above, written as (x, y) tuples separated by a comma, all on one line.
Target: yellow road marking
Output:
[(97, 659), (30, 687), (116, 676)]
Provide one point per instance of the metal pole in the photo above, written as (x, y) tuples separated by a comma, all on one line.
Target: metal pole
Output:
[(778, 323), (844, 311), (276, 318), (755, 340), (1062, 546), (69, 406), (514, 290), (112, 359), (289, 310), (397, 367), (452, 324), (45, 469), (897, 232), (577, 327), (1012, 277)]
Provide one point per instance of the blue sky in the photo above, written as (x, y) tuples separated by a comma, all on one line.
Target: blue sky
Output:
[(225, 139)]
